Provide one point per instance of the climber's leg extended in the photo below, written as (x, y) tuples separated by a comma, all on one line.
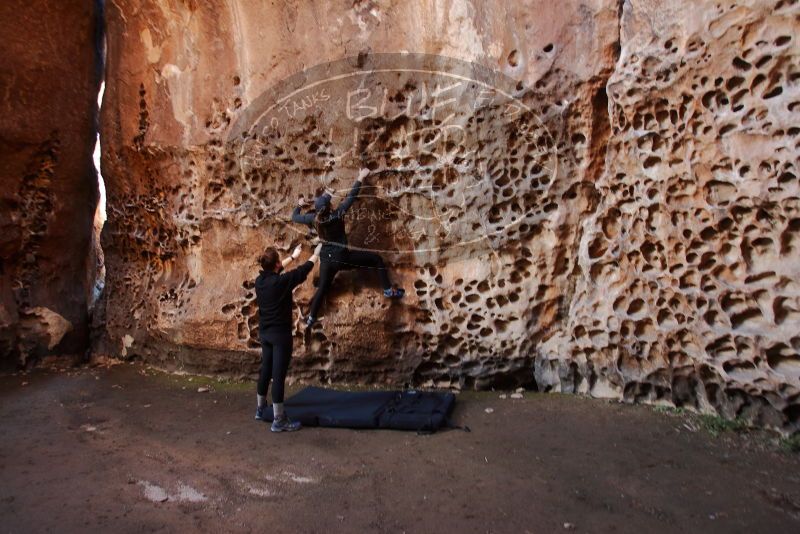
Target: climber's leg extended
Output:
[(327, 272), (370, 260)]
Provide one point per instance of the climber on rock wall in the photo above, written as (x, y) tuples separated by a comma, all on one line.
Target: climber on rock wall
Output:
[(336, 256), (274, 297)]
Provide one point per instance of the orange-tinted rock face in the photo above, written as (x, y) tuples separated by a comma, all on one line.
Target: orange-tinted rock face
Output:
[(48, 188), (689, 287), (582, 195)]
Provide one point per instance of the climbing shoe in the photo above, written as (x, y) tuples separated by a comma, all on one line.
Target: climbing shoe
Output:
[(284, 424), (310, 322), (393, 293)]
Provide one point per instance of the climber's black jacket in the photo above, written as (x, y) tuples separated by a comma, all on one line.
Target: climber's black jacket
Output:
[(331, 228)]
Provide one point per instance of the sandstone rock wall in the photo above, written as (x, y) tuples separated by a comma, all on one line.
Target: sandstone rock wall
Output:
[(689, 290), (689, 285), (647, 249), (49, 77)]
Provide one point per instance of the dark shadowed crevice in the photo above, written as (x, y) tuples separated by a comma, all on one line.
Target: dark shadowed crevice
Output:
[(96, 265), (96, 269)]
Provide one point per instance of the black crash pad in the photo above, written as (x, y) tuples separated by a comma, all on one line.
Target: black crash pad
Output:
[(422, 411)]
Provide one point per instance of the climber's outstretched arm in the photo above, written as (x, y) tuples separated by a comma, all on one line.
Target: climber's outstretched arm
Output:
[(353, 194), (302, 218)]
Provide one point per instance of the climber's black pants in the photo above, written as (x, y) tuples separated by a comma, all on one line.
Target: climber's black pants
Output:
[(276, 353), (332, 261)]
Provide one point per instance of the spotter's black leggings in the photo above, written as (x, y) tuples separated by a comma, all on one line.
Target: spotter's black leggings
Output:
[(276, 353)]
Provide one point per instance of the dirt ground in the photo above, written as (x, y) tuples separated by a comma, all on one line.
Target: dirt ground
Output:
[(126, 449)]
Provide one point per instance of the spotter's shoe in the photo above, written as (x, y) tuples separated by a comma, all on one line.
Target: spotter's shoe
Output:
[(260, 412), (284, 424)]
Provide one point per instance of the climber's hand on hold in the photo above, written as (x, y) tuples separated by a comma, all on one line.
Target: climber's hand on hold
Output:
[(362, 174), (301, 202)]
